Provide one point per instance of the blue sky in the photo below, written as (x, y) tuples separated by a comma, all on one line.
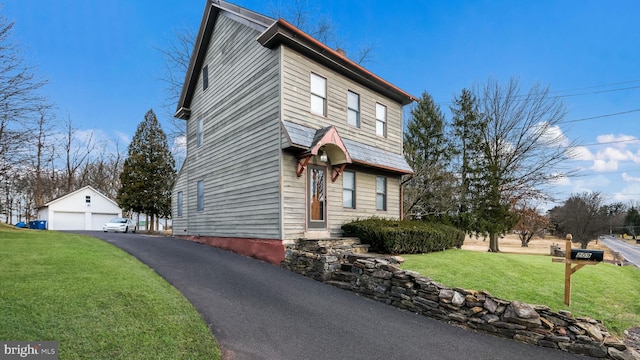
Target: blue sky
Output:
[(103, 68)]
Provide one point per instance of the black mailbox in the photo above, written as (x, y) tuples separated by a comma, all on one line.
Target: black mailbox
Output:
[(590, 255)]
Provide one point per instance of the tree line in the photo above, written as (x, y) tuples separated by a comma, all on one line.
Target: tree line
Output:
[(42, 158), (483, 170), (488, 167)]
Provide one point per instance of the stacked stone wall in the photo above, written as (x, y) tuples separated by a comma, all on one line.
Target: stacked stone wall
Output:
[(380, 278)]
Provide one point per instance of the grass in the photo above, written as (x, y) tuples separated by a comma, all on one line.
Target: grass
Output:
[(605, 292), (96, 300)]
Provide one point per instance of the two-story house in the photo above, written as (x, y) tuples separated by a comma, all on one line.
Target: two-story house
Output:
[(286, 137)]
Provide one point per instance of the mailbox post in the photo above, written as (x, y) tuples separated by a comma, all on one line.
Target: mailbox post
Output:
[(578, 257)]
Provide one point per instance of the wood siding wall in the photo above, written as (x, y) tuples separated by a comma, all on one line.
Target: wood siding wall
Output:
[(297, 105), (295, 198), (239, 158)]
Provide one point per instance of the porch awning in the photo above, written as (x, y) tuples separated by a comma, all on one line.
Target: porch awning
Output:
[(303, 137)]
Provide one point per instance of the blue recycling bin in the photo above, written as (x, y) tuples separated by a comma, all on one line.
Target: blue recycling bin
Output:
[(38, 224)]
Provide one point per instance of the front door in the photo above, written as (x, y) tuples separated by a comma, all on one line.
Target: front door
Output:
[(317, 200)]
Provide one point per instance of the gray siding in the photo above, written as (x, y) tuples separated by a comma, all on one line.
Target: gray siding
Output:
[(295, 199), (296, 107), (239, 159)]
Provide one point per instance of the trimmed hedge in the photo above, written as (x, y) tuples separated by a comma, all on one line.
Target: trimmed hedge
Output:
[(404, 237)]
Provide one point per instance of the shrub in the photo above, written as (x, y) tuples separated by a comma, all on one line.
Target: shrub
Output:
[(404, 237)]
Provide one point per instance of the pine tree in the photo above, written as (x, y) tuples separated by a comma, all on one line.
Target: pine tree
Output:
[(148, 173), (466, 137), (430, 191)]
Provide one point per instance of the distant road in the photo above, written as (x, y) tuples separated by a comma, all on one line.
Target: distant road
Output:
[(629, 251)]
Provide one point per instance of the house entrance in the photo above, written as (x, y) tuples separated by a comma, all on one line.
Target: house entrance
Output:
[(317, 199)]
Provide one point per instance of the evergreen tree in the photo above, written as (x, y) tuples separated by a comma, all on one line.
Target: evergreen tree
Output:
[(466, 137), (430, 192), (148, 172), (632, 221)]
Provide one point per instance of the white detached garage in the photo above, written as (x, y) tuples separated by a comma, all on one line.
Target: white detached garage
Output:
[(83, 209)]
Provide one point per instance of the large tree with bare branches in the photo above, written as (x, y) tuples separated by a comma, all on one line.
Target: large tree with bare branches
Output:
[(522, 149)]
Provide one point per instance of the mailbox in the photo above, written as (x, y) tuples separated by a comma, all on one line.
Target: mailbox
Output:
[(590, 255)]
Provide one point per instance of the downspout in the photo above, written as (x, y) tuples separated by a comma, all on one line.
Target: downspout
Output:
[(401, 198), (280, 170)]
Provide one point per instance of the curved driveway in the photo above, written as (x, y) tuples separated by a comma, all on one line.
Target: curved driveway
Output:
[(259, 311)]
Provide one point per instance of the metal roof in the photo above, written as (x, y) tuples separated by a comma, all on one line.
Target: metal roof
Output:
[(302, 137)]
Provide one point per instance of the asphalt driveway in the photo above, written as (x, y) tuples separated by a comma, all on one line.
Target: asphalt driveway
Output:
[(259, 311)]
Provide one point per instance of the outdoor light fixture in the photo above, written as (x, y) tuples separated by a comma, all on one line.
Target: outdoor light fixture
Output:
[(323, 156)]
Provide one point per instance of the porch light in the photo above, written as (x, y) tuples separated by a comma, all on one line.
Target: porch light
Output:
[(323, 156)]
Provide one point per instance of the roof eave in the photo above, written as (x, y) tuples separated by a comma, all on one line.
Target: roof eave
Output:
[(281, 32)]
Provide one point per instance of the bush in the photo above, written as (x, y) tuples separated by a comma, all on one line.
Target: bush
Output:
[(404, 237)]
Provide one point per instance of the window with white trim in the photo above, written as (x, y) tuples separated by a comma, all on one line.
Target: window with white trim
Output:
[(318, 95), (200, 132), (381, 120), (349, 189), (353, 109), (179, 203), (381, 193), (200, 194)]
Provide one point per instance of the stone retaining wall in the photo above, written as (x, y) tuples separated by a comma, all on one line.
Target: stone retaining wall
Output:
[(380, 278)]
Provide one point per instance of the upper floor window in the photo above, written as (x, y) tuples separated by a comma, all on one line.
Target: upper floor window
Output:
[(200, 195), (179, 203), (200, 132), (87, 199), (349, 189), (318, 95), (353, 104), (205, 77), (381, 193), (381, 120)]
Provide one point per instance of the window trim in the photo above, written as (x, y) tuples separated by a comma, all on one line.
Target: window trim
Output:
[(205, 77), (383, 121), (199, 132), (200, 195), (179, 202), (352, 190), (383, 194), (320, 96), (357, 111)]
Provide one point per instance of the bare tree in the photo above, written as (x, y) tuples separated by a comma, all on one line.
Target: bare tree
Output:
[(522, 149), (19, 98), (75, 156), (177, 55), (530, 223), (584, 216)]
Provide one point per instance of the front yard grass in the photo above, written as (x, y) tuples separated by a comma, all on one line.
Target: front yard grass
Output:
[(96, 300), (605, 292)]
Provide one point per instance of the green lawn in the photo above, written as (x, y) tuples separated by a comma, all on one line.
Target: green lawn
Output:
[(604, 291), (96, 300)]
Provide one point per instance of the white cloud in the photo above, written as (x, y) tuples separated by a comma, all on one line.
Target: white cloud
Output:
[(553, 135), (628, 178), (582, 153), (124, 138), (620, 140), (600, 165)]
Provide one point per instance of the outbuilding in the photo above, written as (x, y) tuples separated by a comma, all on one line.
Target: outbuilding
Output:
[(83, 209)]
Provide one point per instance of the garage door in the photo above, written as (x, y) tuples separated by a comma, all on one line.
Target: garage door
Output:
[(67, 221), (97, 220)]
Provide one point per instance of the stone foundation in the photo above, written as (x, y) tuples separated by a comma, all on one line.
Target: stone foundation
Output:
[(344, 264)]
